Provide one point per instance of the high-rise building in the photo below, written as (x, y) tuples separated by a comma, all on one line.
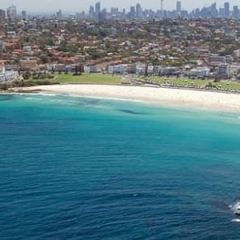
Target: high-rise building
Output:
[(221, 12), (226, 9), (138, 11), (132, 12), (236, 12), (2, 15), (91, 12), (98, 9), (178, 6), (59, 14), (103, 15), (213, 10), (114, 11), (80, 15), (12, 13), (2, 45), (162, 10), (24, 15)]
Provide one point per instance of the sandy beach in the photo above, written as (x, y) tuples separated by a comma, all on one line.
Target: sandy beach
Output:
[(162, 96)]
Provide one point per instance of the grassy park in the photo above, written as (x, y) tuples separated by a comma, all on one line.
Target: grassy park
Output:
[(223, 85), (84, 78), (88, 79), (108, 79)]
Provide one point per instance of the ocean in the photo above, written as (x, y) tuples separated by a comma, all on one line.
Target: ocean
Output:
[(88, 168)]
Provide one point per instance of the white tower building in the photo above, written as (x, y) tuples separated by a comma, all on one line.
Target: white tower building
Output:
[(12, 13)]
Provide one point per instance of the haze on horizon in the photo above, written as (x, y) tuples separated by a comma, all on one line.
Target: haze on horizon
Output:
[(80, 5)]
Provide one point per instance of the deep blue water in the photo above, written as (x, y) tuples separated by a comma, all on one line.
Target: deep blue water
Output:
[(78, 168)]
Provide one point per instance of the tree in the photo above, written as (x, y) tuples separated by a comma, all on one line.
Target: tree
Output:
[(26, 75), (78, 70), (146, 70)]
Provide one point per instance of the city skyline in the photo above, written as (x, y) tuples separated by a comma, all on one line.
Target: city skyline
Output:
[(83, 5)]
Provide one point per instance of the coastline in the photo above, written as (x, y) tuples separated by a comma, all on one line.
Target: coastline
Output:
[(186, 98)]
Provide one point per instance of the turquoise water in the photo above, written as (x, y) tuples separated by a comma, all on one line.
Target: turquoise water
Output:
[(79, 168)]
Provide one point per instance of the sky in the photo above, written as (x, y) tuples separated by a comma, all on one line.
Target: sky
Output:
[(80, 5)]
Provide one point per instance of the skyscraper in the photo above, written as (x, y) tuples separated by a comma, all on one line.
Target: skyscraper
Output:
[(236, 12), (178, 6), (59, 14), (2, 15), (213, 10), (12, 13), (162, 13), (24, 15), (138, 11), (226, 9), (2, 47), (132, 12), (97, 9), (91, 11)]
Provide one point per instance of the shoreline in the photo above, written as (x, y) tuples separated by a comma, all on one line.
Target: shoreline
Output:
[(186, 98)]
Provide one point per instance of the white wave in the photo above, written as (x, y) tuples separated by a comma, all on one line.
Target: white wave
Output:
[(47, 94), (237, 220)]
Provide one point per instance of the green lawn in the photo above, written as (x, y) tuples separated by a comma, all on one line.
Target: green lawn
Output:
[(223, 85), (228, 86), (99, 78), (82, 79), (180, 82), (88, 79)]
